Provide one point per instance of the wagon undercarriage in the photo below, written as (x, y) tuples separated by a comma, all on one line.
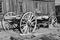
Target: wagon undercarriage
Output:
[(27, 23)]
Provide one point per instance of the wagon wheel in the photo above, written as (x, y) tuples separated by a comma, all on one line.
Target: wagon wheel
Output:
[(5, 23), (28, 23), (54, 21)]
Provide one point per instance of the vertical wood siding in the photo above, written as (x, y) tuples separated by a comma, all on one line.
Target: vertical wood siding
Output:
[(29, 5), (44, 7)]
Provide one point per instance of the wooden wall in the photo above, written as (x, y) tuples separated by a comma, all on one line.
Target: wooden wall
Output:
[(9, 6), (45, 6), (1, 13)]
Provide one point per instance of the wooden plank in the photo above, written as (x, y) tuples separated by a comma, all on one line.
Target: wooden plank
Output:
[(24, 7), (7, 5), (4, 7), (15, 4)]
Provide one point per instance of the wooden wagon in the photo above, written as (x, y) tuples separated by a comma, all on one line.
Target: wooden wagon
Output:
[(27, 23)]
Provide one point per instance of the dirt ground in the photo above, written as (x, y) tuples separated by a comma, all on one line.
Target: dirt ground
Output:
[(41, 34)]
